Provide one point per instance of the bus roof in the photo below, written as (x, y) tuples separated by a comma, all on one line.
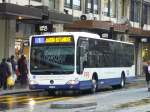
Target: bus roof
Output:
[(82, 34)]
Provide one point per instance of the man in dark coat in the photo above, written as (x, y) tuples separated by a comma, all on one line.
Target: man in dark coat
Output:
[(147, 74), (4, 73), (22, 67)]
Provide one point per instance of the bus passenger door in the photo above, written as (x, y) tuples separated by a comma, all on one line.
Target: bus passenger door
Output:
[(82, 54)]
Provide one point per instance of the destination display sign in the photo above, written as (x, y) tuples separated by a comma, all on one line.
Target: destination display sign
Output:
[(52, 39)]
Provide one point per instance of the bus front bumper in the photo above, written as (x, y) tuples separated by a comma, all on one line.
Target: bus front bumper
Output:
[(55, 87)]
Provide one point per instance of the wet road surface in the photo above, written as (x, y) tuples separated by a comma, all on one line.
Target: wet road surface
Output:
[(30, 100), (9, 102)]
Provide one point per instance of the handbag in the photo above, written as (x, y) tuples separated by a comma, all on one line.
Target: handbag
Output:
[(10, 81)]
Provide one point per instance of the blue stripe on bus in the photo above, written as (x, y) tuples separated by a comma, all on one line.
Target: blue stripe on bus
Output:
[(114, 81), (107, 82), (83, 84)]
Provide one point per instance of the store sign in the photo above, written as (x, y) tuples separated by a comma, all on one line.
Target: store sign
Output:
[(44, 28), (26, 43), (144, 40), (105, 35)]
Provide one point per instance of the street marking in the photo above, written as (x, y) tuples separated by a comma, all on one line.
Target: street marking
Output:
[(14, 98), (7, 96), (22, 100), (55, 99)]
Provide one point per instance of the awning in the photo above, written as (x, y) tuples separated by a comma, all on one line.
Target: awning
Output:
[(13, 10), (34, 13), (97, 25)]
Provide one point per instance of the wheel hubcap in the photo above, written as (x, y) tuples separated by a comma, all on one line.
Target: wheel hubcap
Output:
[(94, 85), (122, 82)]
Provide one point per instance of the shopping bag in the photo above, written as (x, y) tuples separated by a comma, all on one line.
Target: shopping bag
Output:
[(10, 81)]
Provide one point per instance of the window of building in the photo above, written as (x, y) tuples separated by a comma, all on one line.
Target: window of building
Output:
[(68, 3), (52, 4), (112, 8), (75, 3), (148, 15), (37, 0), (88, 6), (95, 6), (91, 6), (109, 8), (145, 7), (134, 12)]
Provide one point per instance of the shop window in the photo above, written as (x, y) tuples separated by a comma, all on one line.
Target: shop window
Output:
[(146, 52)]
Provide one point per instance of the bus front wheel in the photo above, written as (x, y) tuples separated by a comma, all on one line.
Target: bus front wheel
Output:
[(94, 85)]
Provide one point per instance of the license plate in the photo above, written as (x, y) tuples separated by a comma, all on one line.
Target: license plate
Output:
[(51, 87)]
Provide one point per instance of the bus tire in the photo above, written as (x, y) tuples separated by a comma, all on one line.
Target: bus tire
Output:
[(94, 85), (123, 81)]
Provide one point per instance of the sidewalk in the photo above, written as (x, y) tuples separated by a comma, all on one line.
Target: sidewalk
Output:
[(139, 82), (16, 90)]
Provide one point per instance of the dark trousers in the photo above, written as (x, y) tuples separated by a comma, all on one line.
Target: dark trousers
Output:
[(4, 83), (23, 79)]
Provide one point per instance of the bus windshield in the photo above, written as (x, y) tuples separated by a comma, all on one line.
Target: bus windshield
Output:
[(51, 59)]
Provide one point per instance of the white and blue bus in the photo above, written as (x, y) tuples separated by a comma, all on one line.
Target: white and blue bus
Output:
[(79, 61)]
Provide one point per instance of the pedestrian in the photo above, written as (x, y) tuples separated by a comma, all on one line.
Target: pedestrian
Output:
[(4, 73), (147, 74), (22, 67), (13, 62), (14, 67), (11, 73)]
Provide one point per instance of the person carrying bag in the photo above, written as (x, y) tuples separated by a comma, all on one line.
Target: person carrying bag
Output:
[(10, 81)]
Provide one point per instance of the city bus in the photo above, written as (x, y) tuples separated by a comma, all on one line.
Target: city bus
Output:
[(79, 61)]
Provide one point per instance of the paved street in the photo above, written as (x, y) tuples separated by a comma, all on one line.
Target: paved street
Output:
[(133, 98)]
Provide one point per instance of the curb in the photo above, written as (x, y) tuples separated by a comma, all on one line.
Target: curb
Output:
[(70, 106)]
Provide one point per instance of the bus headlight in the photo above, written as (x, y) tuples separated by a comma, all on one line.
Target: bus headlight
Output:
[(73, 82), (32, 82)]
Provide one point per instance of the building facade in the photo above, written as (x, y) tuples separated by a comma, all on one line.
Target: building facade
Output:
[(125, 20), (21, 18)]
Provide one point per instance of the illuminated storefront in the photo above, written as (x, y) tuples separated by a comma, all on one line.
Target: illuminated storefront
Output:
[(146, 51)]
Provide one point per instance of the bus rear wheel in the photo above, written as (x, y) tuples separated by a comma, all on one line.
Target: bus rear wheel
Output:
[(122, 84)]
